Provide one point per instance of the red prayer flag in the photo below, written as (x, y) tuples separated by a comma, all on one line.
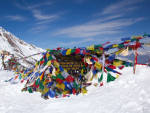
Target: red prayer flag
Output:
[(77, 51)]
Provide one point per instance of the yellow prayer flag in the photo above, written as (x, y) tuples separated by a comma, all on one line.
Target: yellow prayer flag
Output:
[(117, 76), (61, 86), (57, 72), (48, 63), (90, 47), (56, 64), (124, 52), (65, 92), (45, 90), (98, 65), (68, 52), (115, 45), (119, 51), (117, 63), (47, 55), (91, 78), (83, 90)]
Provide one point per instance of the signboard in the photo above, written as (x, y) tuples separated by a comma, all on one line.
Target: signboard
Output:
[(72, 63)]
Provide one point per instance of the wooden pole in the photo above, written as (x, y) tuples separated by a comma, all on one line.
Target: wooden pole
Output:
[(135, 60), (3, 56)]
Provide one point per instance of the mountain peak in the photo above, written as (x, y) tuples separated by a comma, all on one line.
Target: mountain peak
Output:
[(2, 29), (17, 47)]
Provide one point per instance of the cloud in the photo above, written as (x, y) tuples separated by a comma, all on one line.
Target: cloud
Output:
[(16, 18), (35, 9), (64, 44), (110, 21), (38, 29), (39, 5), (26, 6), (42, 20), (39, 16), (37, 13), (121, 7), (107, 18), (95, 28)]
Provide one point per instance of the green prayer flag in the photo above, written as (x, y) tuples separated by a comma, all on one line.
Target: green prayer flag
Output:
[(41, 85), (41, 59), (50, 58), (30, 90), (97, 46), (108, 69), (120, 45), (134, 39), (75, 85), (60, 76), (37, 81), (110, 77), (73, 50), (45, 63), (101, 78), (53, 77)]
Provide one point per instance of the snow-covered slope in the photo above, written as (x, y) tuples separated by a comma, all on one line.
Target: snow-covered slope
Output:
[(19, 48), (128, 94)]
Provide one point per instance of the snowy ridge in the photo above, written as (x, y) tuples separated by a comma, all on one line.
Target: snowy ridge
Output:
[(18, 47), (127, 94)]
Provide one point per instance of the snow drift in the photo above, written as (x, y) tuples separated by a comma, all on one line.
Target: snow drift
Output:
[(127, 94)]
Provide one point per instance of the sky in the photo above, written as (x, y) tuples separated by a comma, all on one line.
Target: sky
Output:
[(74, 23)]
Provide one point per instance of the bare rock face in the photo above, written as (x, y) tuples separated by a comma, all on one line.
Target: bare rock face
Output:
[(18, 48)]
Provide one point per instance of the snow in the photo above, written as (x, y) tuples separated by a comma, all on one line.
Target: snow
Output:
[(127, 94), (18, 47)]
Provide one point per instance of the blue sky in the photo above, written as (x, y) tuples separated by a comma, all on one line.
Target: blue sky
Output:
[(69, 23)]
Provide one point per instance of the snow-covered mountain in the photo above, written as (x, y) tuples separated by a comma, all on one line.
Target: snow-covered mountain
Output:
[(143, 54), (142, 58), (17, 47)]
